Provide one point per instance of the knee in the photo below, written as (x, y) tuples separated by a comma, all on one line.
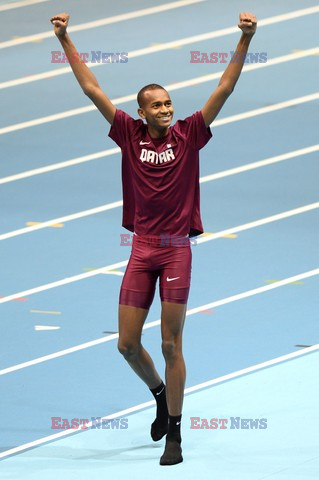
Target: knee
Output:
[(128, 350), (170, 350)]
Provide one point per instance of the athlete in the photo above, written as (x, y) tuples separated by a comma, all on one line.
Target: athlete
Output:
[(160, 179)]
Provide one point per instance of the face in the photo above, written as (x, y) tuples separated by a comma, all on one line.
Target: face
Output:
[(157, 109)]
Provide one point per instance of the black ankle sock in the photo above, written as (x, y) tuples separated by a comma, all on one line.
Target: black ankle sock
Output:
[(160, 425), (159, 394), (174, 428)]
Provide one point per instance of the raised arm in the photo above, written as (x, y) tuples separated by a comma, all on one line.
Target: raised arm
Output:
[(83, 74), (248, 25)]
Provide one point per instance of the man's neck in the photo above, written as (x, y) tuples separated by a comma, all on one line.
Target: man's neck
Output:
[(157, 134)]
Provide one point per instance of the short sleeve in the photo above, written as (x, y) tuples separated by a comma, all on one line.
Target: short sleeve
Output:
[(122, 128), (195, 130)]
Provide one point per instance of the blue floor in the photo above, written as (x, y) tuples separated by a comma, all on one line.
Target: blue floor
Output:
[(269, 431), (93, 380)]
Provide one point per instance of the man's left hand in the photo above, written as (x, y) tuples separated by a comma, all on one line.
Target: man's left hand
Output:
[(247, 23)]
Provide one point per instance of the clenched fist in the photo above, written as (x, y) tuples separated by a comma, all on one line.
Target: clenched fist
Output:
[(247, 23), (60, 23)]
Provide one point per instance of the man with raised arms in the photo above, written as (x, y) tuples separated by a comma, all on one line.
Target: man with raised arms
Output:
[(160, 179)]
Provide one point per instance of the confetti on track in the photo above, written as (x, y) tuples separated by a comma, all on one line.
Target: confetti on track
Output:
[(292, 283), (109, 272), (230, 235), (47, 312), (22, 299), (35, 40), (56, 225)]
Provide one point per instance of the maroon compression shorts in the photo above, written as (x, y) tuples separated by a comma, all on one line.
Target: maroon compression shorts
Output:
[(149, 260)]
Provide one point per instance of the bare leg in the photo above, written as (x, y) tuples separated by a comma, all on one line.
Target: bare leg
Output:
[(131, 321), (172, 323)]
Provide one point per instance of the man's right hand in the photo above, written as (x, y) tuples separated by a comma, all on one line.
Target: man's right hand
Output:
[(60, 23), (83, 74)]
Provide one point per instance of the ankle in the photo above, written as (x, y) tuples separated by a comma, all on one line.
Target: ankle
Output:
[(158, 390), (174, 428)]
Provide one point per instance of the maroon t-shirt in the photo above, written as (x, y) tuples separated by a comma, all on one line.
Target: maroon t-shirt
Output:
[(160, 177)]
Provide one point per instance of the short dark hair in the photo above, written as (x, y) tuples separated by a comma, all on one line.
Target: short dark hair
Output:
[(151, 86)]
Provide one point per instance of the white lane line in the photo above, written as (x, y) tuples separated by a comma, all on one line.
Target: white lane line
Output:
[(57, 166), (155, 323), (65, 281), (141, 406), (174, 86), (253, 368), (257, 223), (119, 203), (113, 151), (66, 218), (104, 21), (23, 3), (164, 46), (271, 108), (208, 238), (259, 164), (255, 291), (247, 68)]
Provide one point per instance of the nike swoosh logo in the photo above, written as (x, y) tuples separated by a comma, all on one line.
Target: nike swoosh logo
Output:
[(144, 143), (160, 391), (178, 423), (171, 279)]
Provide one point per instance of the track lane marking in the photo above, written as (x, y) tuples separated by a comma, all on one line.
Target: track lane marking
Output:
[(22, 3), (141, 406), (160, 47), (106, 21), (208, 238), (119, 203), (171, 87)]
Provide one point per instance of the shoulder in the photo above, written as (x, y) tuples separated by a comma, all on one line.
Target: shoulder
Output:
[(186, 123), (193, 130), (124, 127), (123, 118)]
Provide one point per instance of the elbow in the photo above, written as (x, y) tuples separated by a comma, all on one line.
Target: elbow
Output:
[(227, 90), (87, 90), (90, 89)]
